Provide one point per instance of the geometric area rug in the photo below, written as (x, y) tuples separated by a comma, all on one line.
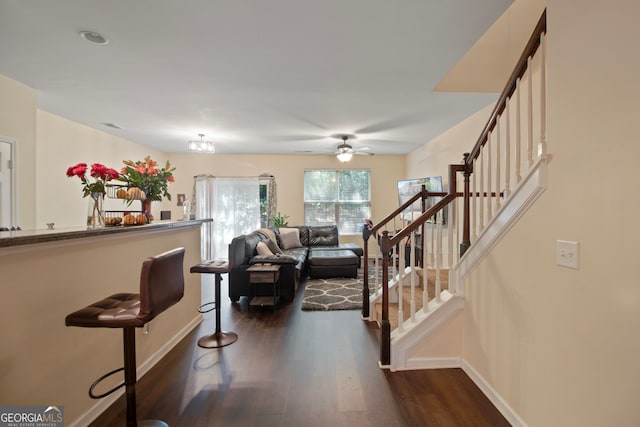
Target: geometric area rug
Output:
[(342, 293), (338, 293)]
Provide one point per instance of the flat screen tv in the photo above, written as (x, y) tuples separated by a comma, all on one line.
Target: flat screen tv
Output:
[(409, 187)]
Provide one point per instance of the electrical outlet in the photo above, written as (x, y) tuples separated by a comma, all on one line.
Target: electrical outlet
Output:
[(567, 254)]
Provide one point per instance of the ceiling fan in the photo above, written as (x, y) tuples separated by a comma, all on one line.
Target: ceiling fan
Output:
[(344, 152)]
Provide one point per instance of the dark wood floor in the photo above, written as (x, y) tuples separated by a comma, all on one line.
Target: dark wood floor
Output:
[(295, 368)]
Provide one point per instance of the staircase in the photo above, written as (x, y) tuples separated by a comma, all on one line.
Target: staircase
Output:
[(451, 232)]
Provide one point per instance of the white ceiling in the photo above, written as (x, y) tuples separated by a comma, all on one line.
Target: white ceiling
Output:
[(255, 76)]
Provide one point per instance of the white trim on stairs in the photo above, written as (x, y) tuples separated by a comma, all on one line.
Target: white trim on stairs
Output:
[(518, 203), (423, 326)]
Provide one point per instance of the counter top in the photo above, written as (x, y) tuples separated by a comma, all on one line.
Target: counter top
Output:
[(30, 237)]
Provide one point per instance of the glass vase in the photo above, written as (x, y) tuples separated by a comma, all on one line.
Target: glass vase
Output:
[(146, 209), (95, 214)]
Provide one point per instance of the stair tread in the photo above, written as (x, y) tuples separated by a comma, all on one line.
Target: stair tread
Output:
[(406, 296)]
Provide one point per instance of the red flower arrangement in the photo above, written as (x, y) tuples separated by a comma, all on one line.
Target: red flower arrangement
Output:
[(99, 172)]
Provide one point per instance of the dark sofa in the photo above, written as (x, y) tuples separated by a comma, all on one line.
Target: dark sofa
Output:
[(293, 261)]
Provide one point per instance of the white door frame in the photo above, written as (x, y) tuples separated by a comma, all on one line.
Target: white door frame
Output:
[(12, 190)]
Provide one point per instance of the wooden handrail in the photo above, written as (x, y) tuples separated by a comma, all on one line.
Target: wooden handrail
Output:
[(521, 67), (448, 198), (393, 214), (386, 242)]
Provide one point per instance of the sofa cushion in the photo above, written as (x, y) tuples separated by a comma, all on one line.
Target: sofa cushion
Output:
[(334, 257), (250, 242), (290, 238), (323, 235), (263, 249), (274, 259), (273, 246)]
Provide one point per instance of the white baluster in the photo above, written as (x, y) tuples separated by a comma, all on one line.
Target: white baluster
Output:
[(474, 203), (543, 96), (438, 256), (489, 170), (530, 113), (425, 293), (412, 265), (432, 241), (518, 135), (498, 162), (481, 196), (507, 152), (453, 228), (399, 286)]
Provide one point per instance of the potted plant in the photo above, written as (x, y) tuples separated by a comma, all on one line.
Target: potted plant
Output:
[(280, 220), (150, 179)]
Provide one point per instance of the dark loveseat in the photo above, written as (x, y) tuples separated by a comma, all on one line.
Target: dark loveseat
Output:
[(293, 261)]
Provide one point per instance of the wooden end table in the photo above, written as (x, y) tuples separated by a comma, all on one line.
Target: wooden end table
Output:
[(263, 274)]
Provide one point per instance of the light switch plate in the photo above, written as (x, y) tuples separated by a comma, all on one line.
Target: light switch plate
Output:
[(567, 254)]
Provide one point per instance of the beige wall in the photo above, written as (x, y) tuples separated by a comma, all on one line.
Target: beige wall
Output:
[(434, 158), (17, 122), (47, 195), (289, 175), (62, 143), (560, 345)]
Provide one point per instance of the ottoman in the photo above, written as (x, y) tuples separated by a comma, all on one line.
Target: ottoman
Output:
[(333, 263)]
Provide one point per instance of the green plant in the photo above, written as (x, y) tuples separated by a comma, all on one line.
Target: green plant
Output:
[(280, 220), (147, 177)]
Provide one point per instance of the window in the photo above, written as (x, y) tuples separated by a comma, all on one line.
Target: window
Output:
[(341, 197)]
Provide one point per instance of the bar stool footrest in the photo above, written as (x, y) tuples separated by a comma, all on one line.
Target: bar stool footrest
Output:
[(202, 309), (102, 378)]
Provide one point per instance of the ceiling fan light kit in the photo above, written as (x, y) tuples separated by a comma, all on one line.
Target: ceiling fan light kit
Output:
[(345, 152), (344, 156), (201, 146)]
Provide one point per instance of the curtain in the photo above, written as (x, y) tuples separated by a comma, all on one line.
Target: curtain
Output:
[(234, 205)]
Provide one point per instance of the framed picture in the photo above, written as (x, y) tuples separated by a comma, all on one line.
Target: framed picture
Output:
[(181, 199)]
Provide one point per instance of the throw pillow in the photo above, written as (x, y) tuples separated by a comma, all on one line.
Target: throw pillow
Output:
[(263, 249), (290, 238), (273, 246)]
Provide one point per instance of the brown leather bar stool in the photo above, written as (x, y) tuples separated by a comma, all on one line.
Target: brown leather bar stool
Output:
[(219, 338), (161, 286)]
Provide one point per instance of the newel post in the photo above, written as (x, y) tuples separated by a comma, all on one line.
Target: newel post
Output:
[(385, 326), (466, 227), (366, 233)]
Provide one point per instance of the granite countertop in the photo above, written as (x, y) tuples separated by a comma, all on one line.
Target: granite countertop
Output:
[(29, 237)]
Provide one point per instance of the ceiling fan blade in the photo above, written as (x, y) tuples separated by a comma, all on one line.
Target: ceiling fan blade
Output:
[(285, 138), (393, 123), (364, 153), (298, 117)]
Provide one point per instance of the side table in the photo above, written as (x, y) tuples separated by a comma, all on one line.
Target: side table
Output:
[(263, 274)]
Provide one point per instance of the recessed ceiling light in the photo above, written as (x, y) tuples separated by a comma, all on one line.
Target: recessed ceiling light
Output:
[(112, 125), (93, 37)]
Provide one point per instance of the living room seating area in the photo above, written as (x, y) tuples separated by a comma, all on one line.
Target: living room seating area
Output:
[(298, 250)]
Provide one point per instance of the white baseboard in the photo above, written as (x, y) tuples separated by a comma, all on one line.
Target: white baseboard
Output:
[(507, 411), (101, 405), (431, 363)]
